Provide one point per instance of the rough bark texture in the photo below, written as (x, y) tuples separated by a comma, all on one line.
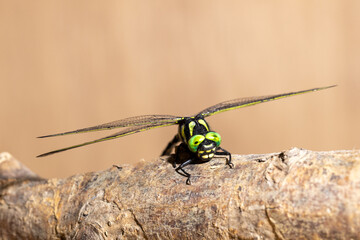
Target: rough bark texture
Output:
[(296, 194)]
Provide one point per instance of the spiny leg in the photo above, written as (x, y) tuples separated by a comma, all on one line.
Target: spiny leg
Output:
[(171, 145), (184, 173), (224, 152)]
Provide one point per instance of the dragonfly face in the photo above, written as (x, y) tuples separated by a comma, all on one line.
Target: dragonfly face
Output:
[(206, 150), (195, 133)]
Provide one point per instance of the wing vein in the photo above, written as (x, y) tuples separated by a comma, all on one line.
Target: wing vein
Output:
[(250, 101), (125, 132), (127, 122)]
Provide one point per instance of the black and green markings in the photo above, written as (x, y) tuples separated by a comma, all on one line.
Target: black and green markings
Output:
[(197, 141)]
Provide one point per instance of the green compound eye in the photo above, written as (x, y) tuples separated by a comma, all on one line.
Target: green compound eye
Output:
[(195, 141), (213, 136)]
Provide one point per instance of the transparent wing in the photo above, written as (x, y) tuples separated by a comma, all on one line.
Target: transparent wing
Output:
[(245, 102), (127, 122), (125, 132)]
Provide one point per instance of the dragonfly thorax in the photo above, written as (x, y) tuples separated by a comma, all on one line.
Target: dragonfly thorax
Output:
[(196, 134)]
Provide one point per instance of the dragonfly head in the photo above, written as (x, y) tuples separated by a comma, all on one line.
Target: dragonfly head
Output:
[(204, 145), (206, 150)]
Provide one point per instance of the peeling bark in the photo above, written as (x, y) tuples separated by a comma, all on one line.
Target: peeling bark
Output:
[(296, 194)]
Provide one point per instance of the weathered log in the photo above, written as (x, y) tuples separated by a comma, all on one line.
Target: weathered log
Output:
[(295, 194)]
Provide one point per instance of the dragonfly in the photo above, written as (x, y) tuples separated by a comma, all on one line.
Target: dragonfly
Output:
[(195, 139)]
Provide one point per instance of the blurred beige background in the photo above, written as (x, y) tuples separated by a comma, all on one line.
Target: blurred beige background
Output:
[(71, 64)]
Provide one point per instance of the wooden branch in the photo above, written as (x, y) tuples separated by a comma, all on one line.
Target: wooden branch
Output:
[(296, 194)]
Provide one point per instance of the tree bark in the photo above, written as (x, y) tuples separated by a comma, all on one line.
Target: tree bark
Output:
[(295, 194)]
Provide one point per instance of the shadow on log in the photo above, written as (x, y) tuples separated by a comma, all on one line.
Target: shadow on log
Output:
[(289, 195)]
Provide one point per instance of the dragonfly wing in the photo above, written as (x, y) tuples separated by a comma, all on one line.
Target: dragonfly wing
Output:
[(245, 102), (125, 132), (127, 122)]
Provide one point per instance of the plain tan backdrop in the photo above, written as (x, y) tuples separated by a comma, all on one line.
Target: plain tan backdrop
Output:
[(71, 64)]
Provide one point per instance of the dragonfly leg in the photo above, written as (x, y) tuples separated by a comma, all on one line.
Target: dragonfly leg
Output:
[(170, 146), (224, 152), (183, 172)]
